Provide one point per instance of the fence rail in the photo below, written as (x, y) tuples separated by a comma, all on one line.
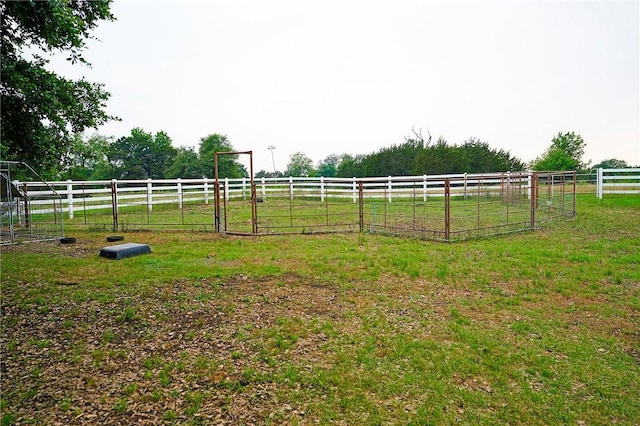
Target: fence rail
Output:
[(618, 181), (80, 196), (443, 207)]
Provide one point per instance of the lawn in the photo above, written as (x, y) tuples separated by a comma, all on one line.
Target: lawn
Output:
[(539, 327)]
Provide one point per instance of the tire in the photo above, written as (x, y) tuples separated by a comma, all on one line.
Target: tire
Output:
[(68, 240), (113, 238)]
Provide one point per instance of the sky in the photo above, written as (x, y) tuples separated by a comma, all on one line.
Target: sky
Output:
[(350, 76)]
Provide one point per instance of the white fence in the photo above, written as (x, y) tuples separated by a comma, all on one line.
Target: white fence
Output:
[(95, 195), (618, 181)]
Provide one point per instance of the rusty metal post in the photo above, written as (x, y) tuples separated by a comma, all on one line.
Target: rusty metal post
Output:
[(216, 193), (27, 213), (114, 204), (225, 189), (573, 213), (533, 200), (254, 201), (447, 212), (361, 204)]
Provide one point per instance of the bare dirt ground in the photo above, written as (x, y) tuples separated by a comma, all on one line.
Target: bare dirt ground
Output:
[(184, 351)]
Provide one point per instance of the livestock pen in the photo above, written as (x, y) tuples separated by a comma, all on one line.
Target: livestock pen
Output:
[(438, 207)]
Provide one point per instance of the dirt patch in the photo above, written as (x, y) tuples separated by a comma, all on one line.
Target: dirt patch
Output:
[(185, 348)]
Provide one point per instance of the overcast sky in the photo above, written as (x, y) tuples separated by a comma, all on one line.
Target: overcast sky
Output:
[(352, 77)]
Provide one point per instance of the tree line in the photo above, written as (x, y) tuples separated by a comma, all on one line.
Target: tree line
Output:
[(143, 155)]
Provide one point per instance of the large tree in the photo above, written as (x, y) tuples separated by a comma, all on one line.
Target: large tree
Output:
[(41, 110), (299, 165), (611, 163), (142, 155), (87, 159), (228, 165), (564, 153), (329, 166), (186, 165)]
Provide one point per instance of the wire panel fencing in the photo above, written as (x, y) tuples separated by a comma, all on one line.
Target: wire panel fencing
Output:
[(459, 208), (444, 207), (29, 211)]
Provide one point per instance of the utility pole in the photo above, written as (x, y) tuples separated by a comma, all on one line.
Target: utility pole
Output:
[(271, 148)]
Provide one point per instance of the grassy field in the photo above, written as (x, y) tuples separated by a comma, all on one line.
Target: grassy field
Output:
[(531, 328)]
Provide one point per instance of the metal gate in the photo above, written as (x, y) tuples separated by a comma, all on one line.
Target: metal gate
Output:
[(242, 219), (27, 213)]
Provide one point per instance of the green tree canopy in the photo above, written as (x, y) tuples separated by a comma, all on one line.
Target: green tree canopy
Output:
[(40, 110), (186, 165), (479, 157), (329, 166), (142, 155), (413, 157), (87, 157), (299, 165), (228, 165), (564, 153), (611, 163)]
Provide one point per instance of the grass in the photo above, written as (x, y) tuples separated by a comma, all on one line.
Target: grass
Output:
[(479, 212), (531, 328)]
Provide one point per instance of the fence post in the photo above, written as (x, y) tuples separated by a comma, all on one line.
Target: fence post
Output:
[(264, 190), (529, 183), (227, 190), (114, 203), (27, 209), (290, 188), (390, 188), (354, 191), (573, 213), (179, 183), (70, 198), (424, 188), (447, 212), (206, 189), (465, 185), (599, 183), (321, 188), (533, 198), (361, 205), (149, 194), (244, 188)]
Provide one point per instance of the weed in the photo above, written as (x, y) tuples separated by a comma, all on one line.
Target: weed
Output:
[(108, 336), (121, 405), (130, 388), (129, 314)]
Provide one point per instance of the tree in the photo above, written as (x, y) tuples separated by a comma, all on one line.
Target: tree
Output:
[(266, 174), (481, 158), (564, 153), (440, 158), (142, 156), (186, 164), (87, 157), (228, 165), (40, 110), (611, 164), (350, 166), (329, 166), (299, 165)]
